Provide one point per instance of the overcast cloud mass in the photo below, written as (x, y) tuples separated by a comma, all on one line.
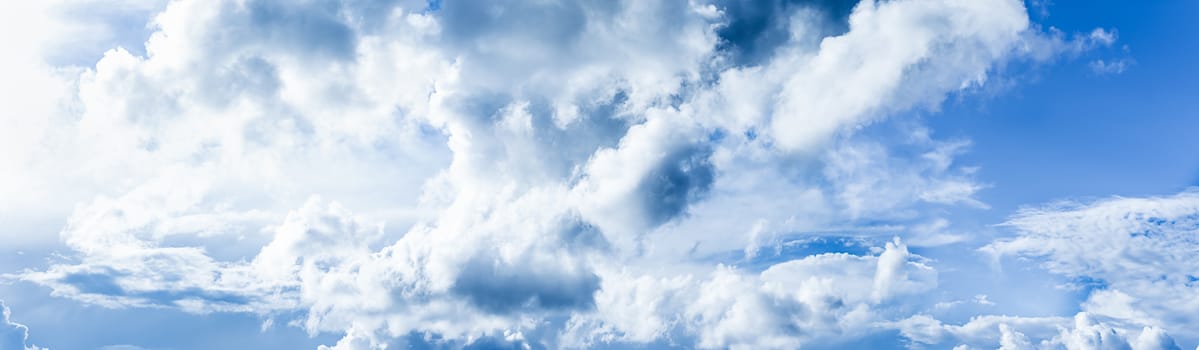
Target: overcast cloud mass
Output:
[(545, 174)]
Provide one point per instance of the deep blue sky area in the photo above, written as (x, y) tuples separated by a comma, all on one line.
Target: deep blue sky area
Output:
[(1065, 131)]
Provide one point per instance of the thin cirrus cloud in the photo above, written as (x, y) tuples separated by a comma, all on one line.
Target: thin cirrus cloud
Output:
[(554, 174), (1130, 255), (1134, 252)]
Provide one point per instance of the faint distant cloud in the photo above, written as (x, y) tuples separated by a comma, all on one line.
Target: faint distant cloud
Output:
[(1112, 67)]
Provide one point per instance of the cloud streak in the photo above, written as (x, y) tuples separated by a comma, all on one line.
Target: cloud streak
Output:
[(14, 336)]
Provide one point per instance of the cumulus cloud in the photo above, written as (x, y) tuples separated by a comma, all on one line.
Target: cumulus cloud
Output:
[(542, 174), (855, 76), (1082, 332), (818, 297)]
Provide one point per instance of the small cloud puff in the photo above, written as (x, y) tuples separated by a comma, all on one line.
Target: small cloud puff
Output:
[(1110, 67)]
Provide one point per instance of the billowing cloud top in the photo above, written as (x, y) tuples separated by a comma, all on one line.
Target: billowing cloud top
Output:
[(554, 174)]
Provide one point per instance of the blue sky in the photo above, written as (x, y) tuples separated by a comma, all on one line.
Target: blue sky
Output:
[(1086, 134), (906, 174)]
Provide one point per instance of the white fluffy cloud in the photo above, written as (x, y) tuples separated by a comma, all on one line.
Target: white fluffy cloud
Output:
[(1019, 333), (826, 296), (543, 173), (929, 48)]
